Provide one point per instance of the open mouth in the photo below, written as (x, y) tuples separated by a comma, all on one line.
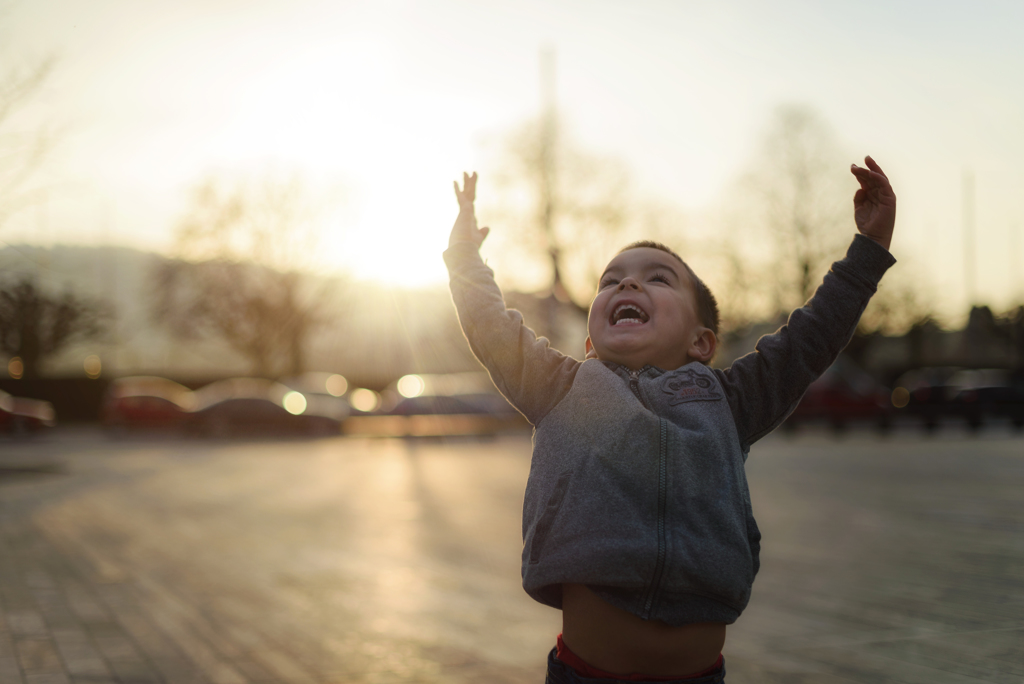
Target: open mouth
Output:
[(629, 314)]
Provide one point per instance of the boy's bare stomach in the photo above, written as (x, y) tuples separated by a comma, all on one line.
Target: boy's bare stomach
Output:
[(617, 641)]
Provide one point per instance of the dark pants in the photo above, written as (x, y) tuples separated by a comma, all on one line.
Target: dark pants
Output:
[(560, 673)]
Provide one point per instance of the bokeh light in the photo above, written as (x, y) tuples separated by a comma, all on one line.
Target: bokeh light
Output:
[(15, 368), (93, 366), (337, 385), (411, 386), (364, 400), (900, 397), (294, 403)]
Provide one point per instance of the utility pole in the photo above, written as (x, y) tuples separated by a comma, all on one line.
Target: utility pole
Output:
[(1015, 265), (968, 230), (43, 244), (108, 284)]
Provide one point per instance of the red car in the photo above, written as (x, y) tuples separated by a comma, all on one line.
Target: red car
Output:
[(844, 394), (253, 406), (146, 402), (19, 415)]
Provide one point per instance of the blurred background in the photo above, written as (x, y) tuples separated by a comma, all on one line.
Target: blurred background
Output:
[(221, 226), (208, 190)]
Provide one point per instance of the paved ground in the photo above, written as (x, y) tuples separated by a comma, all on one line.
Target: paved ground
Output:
[(359, 560)]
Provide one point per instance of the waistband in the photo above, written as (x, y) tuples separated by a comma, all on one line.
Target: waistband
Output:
[(563, 653)]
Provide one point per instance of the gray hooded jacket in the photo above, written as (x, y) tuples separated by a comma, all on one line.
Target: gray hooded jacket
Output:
[(637, 485)]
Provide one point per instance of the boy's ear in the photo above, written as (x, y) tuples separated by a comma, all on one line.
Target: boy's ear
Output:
[(591, 352), (703, 348)]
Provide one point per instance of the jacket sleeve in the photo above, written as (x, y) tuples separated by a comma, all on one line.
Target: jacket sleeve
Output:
[(525, 369), (764, 386)]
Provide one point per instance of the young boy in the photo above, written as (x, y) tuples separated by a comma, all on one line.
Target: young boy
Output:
[(637, 521)]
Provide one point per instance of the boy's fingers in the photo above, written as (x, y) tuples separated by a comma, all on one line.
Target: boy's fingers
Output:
[(868, 178), (872, 175), (873, 165), (467, 193), (863, 176)]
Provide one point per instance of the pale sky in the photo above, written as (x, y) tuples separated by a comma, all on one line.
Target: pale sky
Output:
[(392, 99)]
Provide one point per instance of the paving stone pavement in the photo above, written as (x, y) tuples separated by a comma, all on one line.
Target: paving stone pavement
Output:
[(359, 560)]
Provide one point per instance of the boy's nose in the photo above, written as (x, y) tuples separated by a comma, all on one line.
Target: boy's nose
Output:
[(629, 283)]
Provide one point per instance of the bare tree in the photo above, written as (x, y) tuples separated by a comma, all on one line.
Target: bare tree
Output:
[(790, 216), (803, 184), (239, 279), (35, 325)]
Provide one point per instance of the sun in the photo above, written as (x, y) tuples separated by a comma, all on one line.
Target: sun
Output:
[(349, 113)]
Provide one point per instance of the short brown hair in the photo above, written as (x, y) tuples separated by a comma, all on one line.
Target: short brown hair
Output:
[(707, 305)]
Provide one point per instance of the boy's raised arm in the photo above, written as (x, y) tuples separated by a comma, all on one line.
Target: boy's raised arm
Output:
[(531, 375), (765, 386)]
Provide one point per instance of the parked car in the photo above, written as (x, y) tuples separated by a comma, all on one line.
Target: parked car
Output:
[(447, 394), (984, 395), (325, 393), (926, 394), (252, 406), (20, 415), (433, 405), (440, 404), (843, 395), (146, 402)]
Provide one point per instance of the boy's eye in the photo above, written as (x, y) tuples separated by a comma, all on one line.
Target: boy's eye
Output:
[(660, 277), (608, 281)]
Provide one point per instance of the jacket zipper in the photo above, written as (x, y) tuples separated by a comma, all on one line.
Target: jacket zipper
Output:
[(634, 384), (659, 565)]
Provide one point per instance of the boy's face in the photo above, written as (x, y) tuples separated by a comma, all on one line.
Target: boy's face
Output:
[(645, 312)]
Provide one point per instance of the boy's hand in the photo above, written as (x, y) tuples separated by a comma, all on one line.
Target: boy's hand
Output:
[(465, 229), (874, 205)]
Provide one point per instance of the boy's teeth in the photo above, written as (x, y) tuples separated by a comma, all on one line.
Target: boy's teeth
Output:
[(630, 314)]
